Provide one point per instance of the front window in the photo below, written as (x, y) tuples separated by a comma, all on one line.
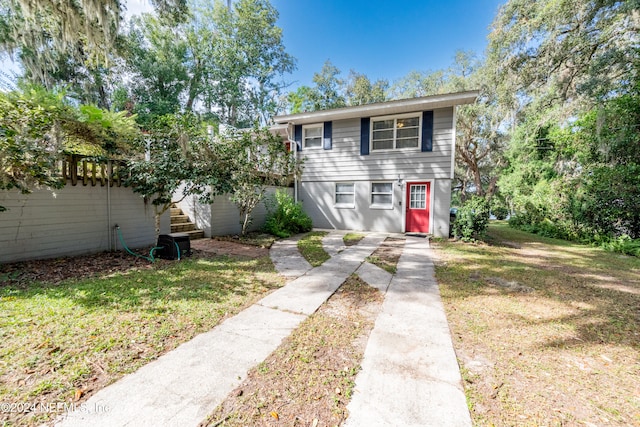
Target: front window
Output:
[(382, 194), (345, 194), (418, 196), (312, 136), (390, 133)]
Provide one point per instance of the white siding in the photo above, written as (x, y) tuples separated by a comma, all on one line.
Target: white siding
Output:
[(73, 221)]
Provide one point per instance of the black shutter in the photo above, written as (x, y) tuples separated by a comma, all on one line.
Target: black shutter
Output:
[(297, 136), (364, 135), (328, 131), (427, 131)]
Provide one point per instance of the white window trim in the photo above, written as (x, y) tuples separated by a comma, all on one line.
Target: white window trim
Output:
[(335, 193), (378, 205), (395, 129), (304, 139)]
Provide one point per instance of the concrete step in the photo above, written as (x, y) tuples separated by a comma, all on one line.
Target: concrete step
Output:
[(183, 227), (178, 219), (195, 234)]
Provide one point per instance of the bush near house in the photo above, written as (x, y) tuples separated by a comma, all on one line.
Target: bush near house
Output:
[(284, 216), (472, 219)]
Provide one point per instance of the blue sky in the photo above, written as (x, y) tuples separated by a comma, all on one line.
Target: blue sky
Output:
[(382, 39)]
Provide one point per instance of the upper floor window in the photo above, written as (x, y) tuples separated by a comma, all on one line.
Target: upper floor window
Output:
[(312, 136), (388, 133)]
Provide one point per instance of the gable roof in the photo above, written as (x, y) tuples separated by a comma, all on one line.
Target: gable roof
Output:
[(400, 106)]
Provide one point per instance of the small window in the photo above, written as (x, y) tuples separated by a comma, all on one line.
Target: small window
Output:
[(345, 194), (382, 195), (390, 133), (312, 136), (418, 197)]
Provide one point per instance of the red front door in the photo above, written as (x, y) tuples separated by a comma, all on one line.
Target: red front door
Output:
[(417, 205)]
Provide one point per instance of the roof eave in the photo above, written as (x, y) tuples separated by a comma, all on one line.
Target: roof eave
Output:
[(382, 108)]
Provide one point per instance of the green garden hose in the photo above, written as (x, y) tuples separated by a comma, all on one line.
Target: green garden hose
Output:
[(149, 258)]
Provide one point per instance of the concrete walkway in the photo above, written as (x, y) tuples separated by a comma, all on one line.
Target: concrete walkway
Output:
[(410, 375), (184, 386), (287, 259)]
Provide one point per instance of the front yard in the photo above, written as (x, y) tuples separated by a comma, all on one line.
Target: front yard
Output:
[(546, 331), (62, 340)]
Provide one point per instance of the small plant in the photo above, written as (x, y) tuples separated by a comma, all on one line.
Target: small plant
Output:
[(284, 216), (472, 219)]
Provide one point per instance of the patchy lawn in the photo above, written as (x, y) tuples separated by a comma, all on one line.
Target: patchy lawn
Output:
[(547, 332), (351, 239), (62, 338), (309, 379), (387, 255), (310, 247)]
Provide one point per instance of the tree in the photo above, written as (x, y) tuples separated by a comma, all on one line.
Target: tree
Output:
[(564, 51), (38, 127), (332, 91), (179, 154), (256, 160), (248, 60), (360, 91)]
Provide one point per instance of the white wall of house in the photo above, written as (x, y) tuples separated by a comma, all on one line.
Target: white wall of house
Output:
[(73, 221), (222, 217), (344, 163)]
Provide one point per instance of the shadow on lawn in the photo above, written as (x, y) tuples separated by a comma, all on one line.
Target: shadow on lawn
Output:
[(209, 279), (598, 291)]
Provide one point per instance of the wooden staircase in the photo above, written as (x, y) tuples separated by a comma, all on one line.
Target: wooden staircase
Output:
[(180, 223)]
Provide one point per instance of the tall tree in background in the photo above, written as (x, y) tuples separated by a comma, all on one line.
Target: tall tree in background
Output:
[(332, 91), (568, 70)]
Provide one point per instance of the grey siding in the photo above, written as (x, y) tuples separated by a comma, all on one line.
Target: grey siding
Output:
[(73, 221), (225, 217), (344, 163)]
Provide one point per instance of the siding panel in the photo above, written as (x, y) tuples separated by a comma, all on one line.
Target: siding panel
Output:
[(73, 222)]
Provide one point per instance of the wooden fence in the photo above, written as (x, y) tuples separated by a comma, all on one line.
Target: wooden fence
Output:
[(86, 170)]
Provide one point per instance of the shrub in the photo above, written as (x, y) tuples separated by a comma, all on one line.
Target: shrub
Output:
[(472, 219), (284, 216), (500, 212)]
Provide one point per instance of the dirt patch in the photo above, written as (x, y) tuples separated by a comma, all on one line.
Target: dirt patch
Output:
[(309, 379), (546, 332), (228, 247), (388, 254), (56, 270)]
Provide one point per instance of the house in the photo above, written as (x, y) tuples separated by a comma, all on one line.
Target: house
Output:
[(378, 167)]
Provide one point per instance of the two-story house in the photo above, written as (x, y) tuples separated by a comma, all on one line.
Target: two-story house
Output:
[(378, 167)]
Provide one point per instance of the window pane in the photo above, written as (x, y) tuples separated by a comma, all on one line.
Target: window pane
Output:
[(407, 143), (381, 187), (407, 133), (384, 144), (313, 132), (418, 197), (408, 122), (382, 134), (344, 199), (381, 199), (313, 142), (383, 124), (344, 188)]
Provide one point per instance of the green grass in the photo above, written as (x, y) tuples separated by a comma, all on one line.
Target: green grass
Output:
[(351, 239), (561, 354), (310, 246), (387, 265), (58, 340)]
